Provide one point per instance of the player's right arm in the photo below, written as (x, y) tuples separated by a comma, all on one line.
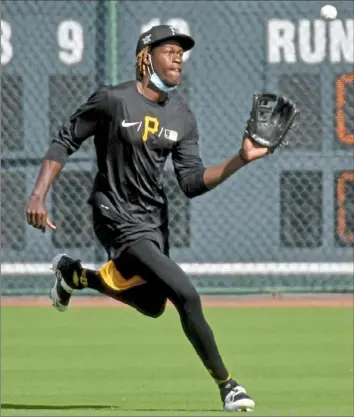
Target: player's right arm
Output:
[(82, 125)]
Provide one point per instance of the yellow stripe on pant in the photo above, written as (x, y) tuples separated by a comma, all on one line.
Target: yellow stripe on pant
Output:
[(114, 280)]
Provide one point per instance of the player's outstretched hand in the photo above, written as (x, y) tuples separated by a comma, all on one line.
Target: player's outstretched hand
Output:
[(252, 150), (37, 215), (271, 118)]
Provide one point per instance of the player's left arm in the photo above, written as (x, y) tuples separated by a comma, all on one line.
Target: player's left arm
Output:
[(250, 151), (193, 177), (188, 165)]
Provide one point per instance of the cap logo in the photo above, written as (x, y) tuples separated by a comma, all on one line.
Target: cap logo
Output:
[(173, 30), (147, 39)]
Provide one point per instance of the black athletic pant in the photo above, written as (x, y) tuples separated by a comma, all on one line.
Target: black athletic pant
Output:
[(166, 279)]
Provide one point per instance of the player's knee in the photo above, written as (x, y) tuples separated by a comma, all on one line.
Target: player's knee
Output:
[(158, 312), (155, 311)]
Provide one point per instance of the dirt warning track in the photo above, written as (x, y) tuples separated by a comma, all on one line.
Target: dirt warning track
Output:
[(336, 301)]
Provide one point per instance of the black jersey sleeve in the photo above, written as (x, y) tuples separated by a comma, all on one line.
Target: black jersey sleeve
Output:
[(82, 124), (187, 162)]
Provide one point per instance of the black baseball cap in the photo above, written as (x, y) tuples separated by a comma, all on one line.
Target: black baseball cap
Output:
[(161, 33)]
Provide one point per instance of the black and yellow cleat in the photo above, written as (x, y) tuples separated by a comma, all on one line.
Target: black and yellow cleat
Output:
[(235, 398), (67, 278)]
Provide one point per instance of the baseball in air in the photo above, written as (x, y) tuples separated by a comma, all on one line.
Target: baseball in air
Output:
[(329, 12)]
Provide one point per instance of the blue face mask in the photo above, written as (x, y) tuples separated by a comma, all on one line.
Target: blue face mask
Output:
[(156, 80)]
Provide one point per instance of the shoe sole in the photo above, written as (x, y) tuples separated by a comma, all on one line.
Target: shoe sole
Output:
[(245, 405), (53, 293)]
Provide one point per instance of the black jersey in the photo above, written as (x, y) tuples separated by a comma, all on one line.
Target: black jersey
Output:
[(133, 137)]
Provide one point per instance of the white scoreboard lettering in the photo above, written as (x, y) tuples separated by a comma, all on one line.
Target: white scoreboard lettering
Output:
[(309, 41), (6, 45), (70, 42), (70, 36)]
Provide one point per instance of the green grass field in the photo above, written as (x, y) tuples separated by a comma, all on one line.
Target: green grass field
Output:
[(111, 362)]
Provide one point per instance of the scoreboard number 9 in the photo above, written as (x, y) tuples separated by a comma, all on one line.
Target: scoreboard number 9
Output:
[(70, 41), (70, 37)]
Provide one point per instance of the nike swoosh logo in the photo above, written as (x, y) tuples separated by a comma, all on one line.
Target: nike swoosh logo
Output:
[(128, 124)]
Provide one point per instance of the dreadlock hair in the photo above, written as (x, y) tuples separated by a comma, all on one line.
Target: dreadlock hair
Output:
[(141, 68)]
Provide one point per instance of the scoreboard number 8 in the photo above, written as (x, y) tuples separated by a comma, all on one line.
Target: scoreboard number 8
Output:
[(6, 46)]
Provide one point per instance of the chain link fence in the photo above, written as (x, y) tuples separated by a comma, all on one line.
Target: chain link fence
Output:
[(281, 224)]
